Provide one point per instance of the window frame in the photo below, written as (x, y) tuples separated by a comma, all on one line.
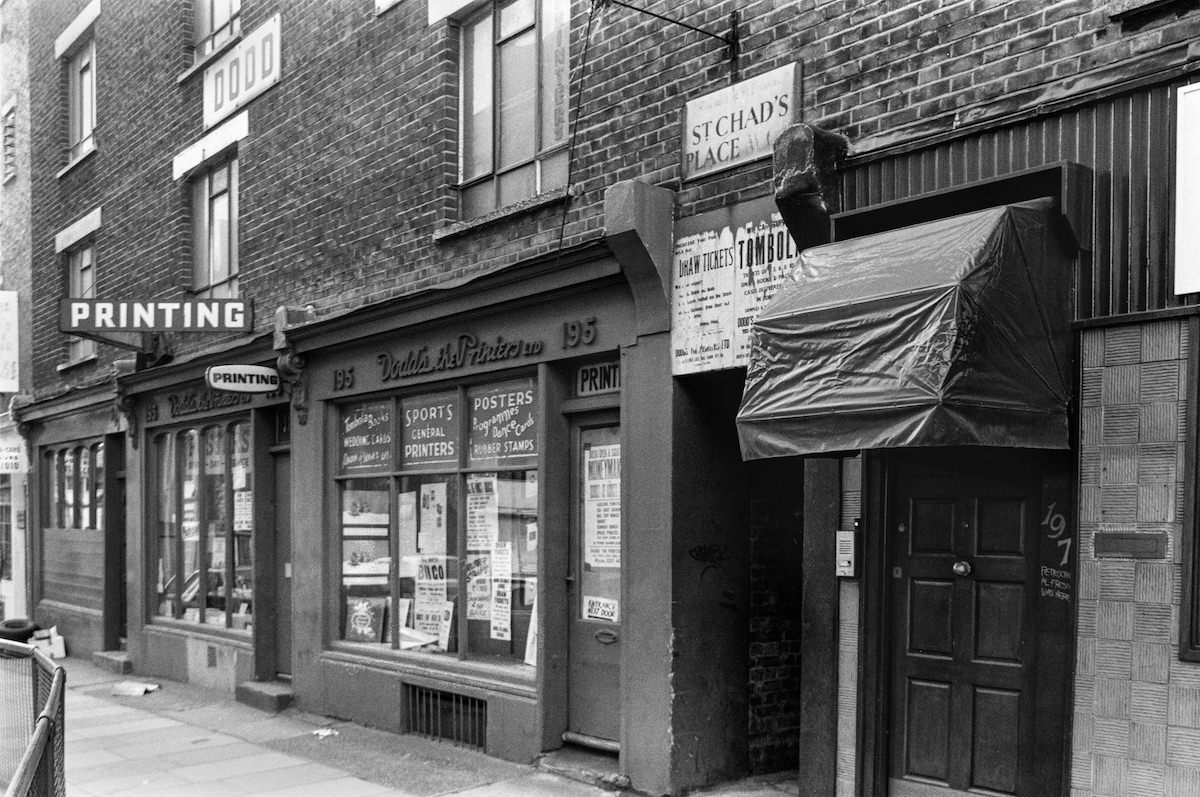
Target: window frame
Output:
[(80, 348), (207, 281), (489, 16), (68, 500), (81, 106), (457, 476), (208, 39)]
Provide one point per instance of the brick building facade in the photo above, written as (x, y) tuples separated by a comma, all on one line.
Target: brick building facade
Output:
[(406, 269)]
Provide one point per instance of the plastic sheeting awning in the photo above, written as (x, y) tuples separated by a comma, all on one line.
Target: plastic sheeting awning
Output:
[(953, 332)]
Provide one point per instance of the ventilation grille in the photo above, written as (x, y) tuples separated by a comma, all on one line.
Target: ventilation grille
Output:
[(444, 715)]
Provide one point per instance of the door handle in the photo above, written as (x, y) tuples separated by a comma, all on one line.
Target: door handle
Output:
[(961, 568), (606, 637)]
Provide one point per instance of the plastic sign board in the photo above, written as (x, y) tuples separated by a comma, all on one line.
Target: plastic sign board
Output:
[(1187, 191), (243, 73), (740, 123), (10, 349), (242, 378), (81, 316)]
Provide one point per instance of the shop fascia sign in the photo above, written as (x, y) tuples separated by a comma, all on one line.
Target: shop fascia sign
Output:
[(740, 123), (243, 73), (242, 378), (122, 322)]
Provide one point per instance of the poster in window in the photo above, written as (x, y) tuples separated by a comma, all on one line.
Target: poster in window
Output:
[(503, 423), (432, 537), (602, 506), (243, 510), (364, 507), (430, 431), (483, 520), (365, 619), (478, 571), (366, 437), (430, 594), (531, 637), (598, 608), (366, 558), (406, 514), (501, 610), (445, 623)]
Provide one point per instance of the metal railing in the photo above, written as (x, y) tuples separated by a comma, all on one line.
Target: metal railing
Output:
[(31, 722)]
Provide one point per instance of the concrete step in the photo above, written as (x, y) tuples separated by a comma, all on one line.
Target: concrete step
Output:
[(270, 696), (585, 766), (116, 661)]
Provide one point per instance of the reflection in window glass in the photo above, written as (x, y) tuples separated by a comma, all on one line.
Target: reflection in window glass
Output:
[(70, 488), (166, 527), (86, 519), (98, 484)]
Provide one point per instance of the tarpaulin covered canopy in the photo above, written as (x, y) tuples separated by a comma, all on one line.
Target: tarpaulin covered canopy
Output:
[(953, 332)]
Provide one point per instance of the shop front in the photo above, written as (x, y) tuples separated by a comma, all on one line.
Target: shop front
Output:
[(75, 511), (209, 530), (922, 367)]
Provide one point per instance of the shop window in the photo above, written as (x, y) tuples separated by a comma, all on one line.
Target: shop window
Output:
[(203, 525), (438, 521), (81, 82), (515, 72), (74, 497), (81, 284), (215, 23), (215, 231)]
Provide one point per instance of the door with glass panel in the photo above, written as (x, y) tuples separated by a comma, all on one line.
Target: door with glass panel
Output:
[(594, 707)]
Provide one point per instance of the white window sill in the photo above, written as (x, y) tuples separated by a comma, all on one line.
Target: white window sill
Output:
[(503, 214), (208, 59), (76, 162), (70, 364)]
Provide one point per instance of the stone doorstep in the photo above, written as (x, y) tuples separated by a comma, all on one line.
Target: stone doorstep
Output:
[(270, 696), (115, 661), (584, 766)]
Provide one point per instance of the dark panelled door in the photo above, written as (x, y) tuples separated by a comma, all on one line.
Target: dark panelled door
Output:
[(964, 577)]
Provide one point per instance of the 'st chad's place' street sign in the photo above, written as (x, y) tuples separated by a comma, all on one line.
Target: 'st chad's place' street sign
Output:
[(83, 316), (242, 378)]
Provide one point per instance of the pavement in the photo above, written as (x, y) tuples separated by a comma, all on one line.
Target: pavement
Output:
[(185, 741)]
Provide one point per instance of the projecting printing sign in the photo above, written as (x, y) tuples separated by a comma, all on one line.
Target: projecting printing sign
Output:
[(740, 123), (83, 316), (726, 268), (242, 378), (246, 71)]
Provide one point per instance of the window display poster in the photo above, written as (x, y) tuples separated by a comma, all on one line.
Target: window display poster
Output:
[(430, 431), (483, 520), (503, 422), (432, 536), (365, 507), (243, 510), (366, 437), (365, 557), (365, 619), (501, 609), (430, 594), (602, 506), (478, 571), (445, 621), (531, 638), (406, 510)]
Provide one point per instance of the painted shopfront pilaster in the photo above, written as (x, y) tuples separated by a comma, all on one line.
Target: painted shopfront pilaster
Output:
[(1137, 706)]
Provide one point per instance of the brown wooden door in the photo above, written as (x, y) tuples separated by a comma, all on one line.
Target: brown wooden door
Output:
[(964, 577)]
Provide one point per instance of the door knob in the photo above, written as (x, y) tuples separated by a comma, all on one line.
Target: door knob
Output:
[(962, 568)]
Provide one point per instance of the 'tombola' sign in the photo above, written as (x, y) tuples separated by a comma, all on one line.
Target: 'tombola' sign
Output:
[(242, 378), (740, 123)]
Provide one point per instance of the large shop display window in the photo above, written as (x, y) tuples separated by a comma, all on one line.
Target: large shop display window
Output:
[(204, 523), (438, 523)]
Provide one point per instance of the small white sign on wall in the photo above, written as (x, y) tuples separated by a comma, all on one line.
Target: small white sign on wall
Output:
[(1187, 190), (10, 348)]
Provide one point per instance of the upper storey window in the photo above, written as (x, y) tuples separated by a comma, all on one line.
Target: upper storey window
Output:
[(216, 22), (76, 48), (214, 222), (515, 75)]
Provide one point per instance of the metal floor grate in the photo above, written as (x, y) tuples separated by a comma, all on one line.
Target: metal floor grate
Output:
[(445, 715)]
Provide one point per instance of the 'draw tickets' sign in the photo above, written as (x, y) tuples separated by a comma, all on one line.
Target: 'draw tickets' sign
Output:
[(727, 266)]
